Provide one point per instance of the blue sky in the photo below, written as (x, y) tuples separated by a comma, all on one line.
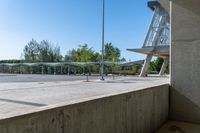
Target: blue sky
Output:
[(69, 23)]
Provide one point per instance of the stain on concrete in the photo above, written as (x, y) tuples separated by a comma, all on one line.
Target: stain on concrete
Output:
[(174, 128)]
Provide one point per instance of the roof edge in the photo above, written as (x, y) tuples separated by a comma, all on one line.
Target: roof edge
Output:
[(153, 4)]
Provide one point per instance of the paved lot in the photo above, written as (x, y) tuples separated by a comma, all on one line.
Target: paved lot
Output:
[(19, 94), (41, 78)]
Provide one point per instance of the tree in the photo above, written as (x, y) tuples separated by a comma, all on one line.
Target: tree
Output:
[(71, 56), (45, 51), (49, 52), (82, 54), (31, 51), (57, 57), (112, 53), (156, 64), (42, 52)]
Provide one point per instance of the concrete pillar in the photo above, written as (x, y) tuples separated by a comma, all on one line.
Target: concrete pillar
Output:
[(164, 66), (74, 70), (19, 68), (145, 67), (49, 70), (185, 60), (68, 70), (54, 70), (83, 70), (3, 69), (42, 70), (31, 70), (61, 70), (10, 69)]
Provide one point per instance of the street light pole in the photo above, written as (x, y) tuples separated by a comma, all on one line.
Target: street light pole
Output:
[(102, 51)]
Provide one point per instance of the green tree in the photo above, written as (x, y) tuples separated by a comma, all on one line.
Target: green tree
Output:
[(71, 56), (156, 64), (57, 57), (43, 52), (82, 54), (112, 53), (48, 52), (31, 51)]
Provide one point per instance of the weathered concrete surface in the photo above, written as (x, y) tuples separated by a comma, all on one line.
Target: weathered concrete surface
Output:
[(21, 96), (179, 127), (125, 105), (185, 60), (136, 112), (165, 4)]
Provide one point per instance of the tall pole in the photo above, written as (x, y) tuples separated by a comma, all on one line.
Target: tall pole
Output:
[(102, 54)]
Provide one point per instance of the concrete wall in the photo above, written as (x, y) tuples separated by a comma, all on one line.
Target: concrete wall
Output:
[(165, 4), (135, 112), (185, 60)]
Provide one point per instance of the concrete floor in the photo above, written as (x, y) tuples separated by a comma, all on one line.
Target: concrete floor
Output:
[(18, 95), (179, 127), (41, 78)]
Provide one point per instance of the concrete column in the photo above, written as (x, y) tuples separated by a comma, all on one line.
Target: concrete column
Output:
[(61, 70), (164, 66), (74, 70), (145, 67), (42, 70), (54, 70), (3, 69), (19, 69), (31, 70), (68, 70), (185, 60), (10, 69), (49, 70)]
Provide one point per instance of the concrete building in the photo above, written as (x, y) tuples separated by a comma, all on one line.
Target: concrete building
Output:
[(185, 46), (157, 40), (123, 106)]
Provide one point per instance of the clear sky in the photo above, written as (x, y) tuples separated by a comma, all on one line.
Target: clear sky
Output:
[(69, 23)]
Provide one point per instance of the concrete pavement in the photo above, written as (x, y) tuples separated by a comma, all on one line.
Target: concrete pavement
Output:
[(20, 97)]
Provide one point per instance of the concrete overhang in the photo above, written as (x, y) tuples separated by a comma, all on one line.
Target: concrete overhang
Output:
[(163, 3), (142, 50), (139, 62), (153, 5), (156, 51)]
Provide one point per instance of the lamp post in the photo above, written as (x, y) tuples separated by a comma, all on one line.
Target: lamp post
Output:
[(102, 51)]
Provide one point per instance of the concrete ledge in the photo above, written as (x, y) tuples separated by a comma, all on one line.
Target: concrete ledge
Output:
[(137, 111)]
